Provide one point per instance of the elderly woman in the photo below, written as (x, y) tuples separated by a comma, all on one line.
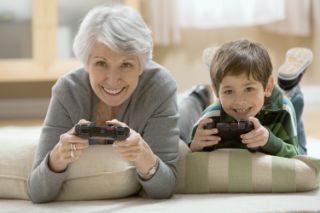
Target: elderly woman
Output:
[(118, 84)]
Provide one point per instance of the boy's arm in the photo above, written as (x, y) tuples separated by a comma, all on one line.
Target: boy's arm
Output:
[(277, 146), (283, 140), (212, 111)]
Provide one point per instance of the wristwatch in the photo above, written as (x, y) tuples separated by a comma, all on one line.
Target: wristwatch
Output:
[(151, 171)]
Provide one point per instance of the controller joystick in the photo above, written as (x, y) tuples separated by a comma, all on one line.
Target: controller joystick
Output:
[(108, 132), (231, 131)]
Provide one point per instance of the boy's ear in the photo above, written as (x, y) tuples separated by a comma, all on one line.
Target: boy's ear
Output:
[(270, 86), (215, 92)]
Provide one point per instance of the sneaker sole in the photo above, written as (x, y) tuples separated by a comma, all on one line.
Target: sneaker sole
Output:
[(296, 62), (208, 54)]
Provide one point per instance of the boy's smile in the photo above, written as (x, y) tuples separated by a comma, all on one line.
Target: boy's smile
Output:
[(242, 97)]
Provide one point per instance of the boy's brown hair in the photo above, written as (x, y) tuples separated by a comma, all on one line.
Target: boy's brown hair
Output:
[(238, 57)]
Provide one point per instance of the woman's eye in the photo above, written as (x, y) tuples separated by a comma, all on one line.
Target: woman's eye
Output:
[(127, 65), (101, 64)]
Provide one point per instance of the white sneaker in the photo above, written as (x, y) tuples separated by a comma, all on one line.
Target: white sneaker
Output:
[(204, 93), (297, 60), (208, 54)]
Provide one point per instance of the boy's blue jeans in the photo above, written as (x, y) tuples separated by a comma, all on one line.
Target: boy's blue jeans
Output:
[(296, 97)]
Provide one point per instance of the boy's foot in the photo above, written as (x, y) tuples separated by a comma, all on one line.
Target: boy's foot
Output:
[(203, 93), (208, 54), (296, 63)]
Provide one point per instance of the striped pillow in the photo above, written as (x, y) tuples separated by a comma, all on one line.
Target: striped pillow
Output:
[(237, 170)]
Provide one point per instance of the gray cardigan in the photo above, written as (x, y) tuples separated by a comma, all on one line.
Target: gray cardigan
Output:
[(150, 111)]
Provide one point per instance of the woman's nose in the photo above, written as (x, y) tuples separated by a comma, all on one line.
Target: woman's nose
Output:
[(113, 76)]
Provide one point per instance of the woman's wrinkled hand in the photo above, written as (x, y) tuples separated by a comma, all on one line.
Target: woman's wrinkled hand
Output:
[(69, 148), (135, 149)]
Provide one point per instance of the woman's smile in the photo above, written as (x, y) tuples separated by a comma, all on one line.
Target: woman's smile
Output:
[(113, 92)]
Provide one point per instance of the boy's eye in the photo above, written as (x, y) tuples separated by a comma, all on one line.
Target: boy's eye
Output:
[(228, 92), (249, 89)]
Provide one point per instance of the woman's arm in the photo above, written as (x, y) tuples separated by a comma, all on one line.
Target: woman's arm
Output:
[(43, 185)]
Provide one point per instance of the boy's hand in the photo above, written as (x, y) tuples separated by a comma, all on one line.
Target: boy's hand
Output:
[(204, 137), (257, 137)]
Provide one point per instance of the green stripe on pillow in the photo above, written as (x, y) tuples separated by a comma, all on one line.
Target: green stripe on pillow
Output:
[(197, 173), (283, 174), (218, 171), (236, 171), (240, 167)]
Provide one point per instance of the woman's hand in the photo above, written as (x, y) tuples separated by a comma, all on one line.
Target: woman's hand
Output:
[(204, 137), (135, 149), (257, 137), (69, 148)]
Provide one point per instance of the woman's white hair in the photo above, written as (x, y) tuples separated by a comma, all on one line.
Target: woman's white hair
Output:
[(121, 28)]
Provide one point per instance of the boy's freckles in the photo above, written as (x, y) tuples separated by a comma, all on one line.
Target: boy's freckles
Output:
[(241, 97)]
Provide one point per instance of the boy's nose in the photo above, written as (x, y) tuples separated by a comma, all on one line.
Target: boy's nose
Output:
[(239, 98), (240, 101)]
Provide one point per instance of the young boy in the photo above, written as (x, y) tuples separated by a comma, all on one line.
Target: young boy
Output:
[(241, 74)]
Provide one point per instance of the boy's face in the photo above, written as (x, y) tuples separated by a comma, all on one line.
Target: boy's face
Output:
[(241, 97)]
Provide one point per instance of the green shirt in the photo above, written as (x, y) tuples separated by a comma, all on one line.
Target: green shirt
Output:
[(277, 115)]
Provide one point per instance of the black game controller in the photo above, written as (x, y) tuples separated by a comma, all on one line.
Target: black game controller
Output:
[(108, 132), (230, 131)]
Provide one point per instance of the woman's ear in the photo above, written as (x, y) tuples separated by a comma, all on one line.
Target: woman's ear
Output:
[(141, 66), (269, 87)]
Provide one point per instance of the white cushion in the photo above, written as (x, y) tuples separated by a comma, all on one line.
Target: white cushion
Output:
[(99, 174)]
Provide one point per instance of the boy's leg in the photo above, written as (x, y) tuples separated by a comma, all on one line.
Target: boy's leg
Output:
[(190, 106), (297, 61), (297, 100), (289, 75)]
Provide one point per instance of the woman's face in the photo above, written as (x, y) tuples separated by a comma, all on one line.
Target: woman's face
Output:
[(113, 76)]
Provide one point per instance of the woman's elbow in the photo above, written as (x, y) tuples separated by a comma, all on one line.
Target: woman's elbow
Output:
[(36, 196)]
